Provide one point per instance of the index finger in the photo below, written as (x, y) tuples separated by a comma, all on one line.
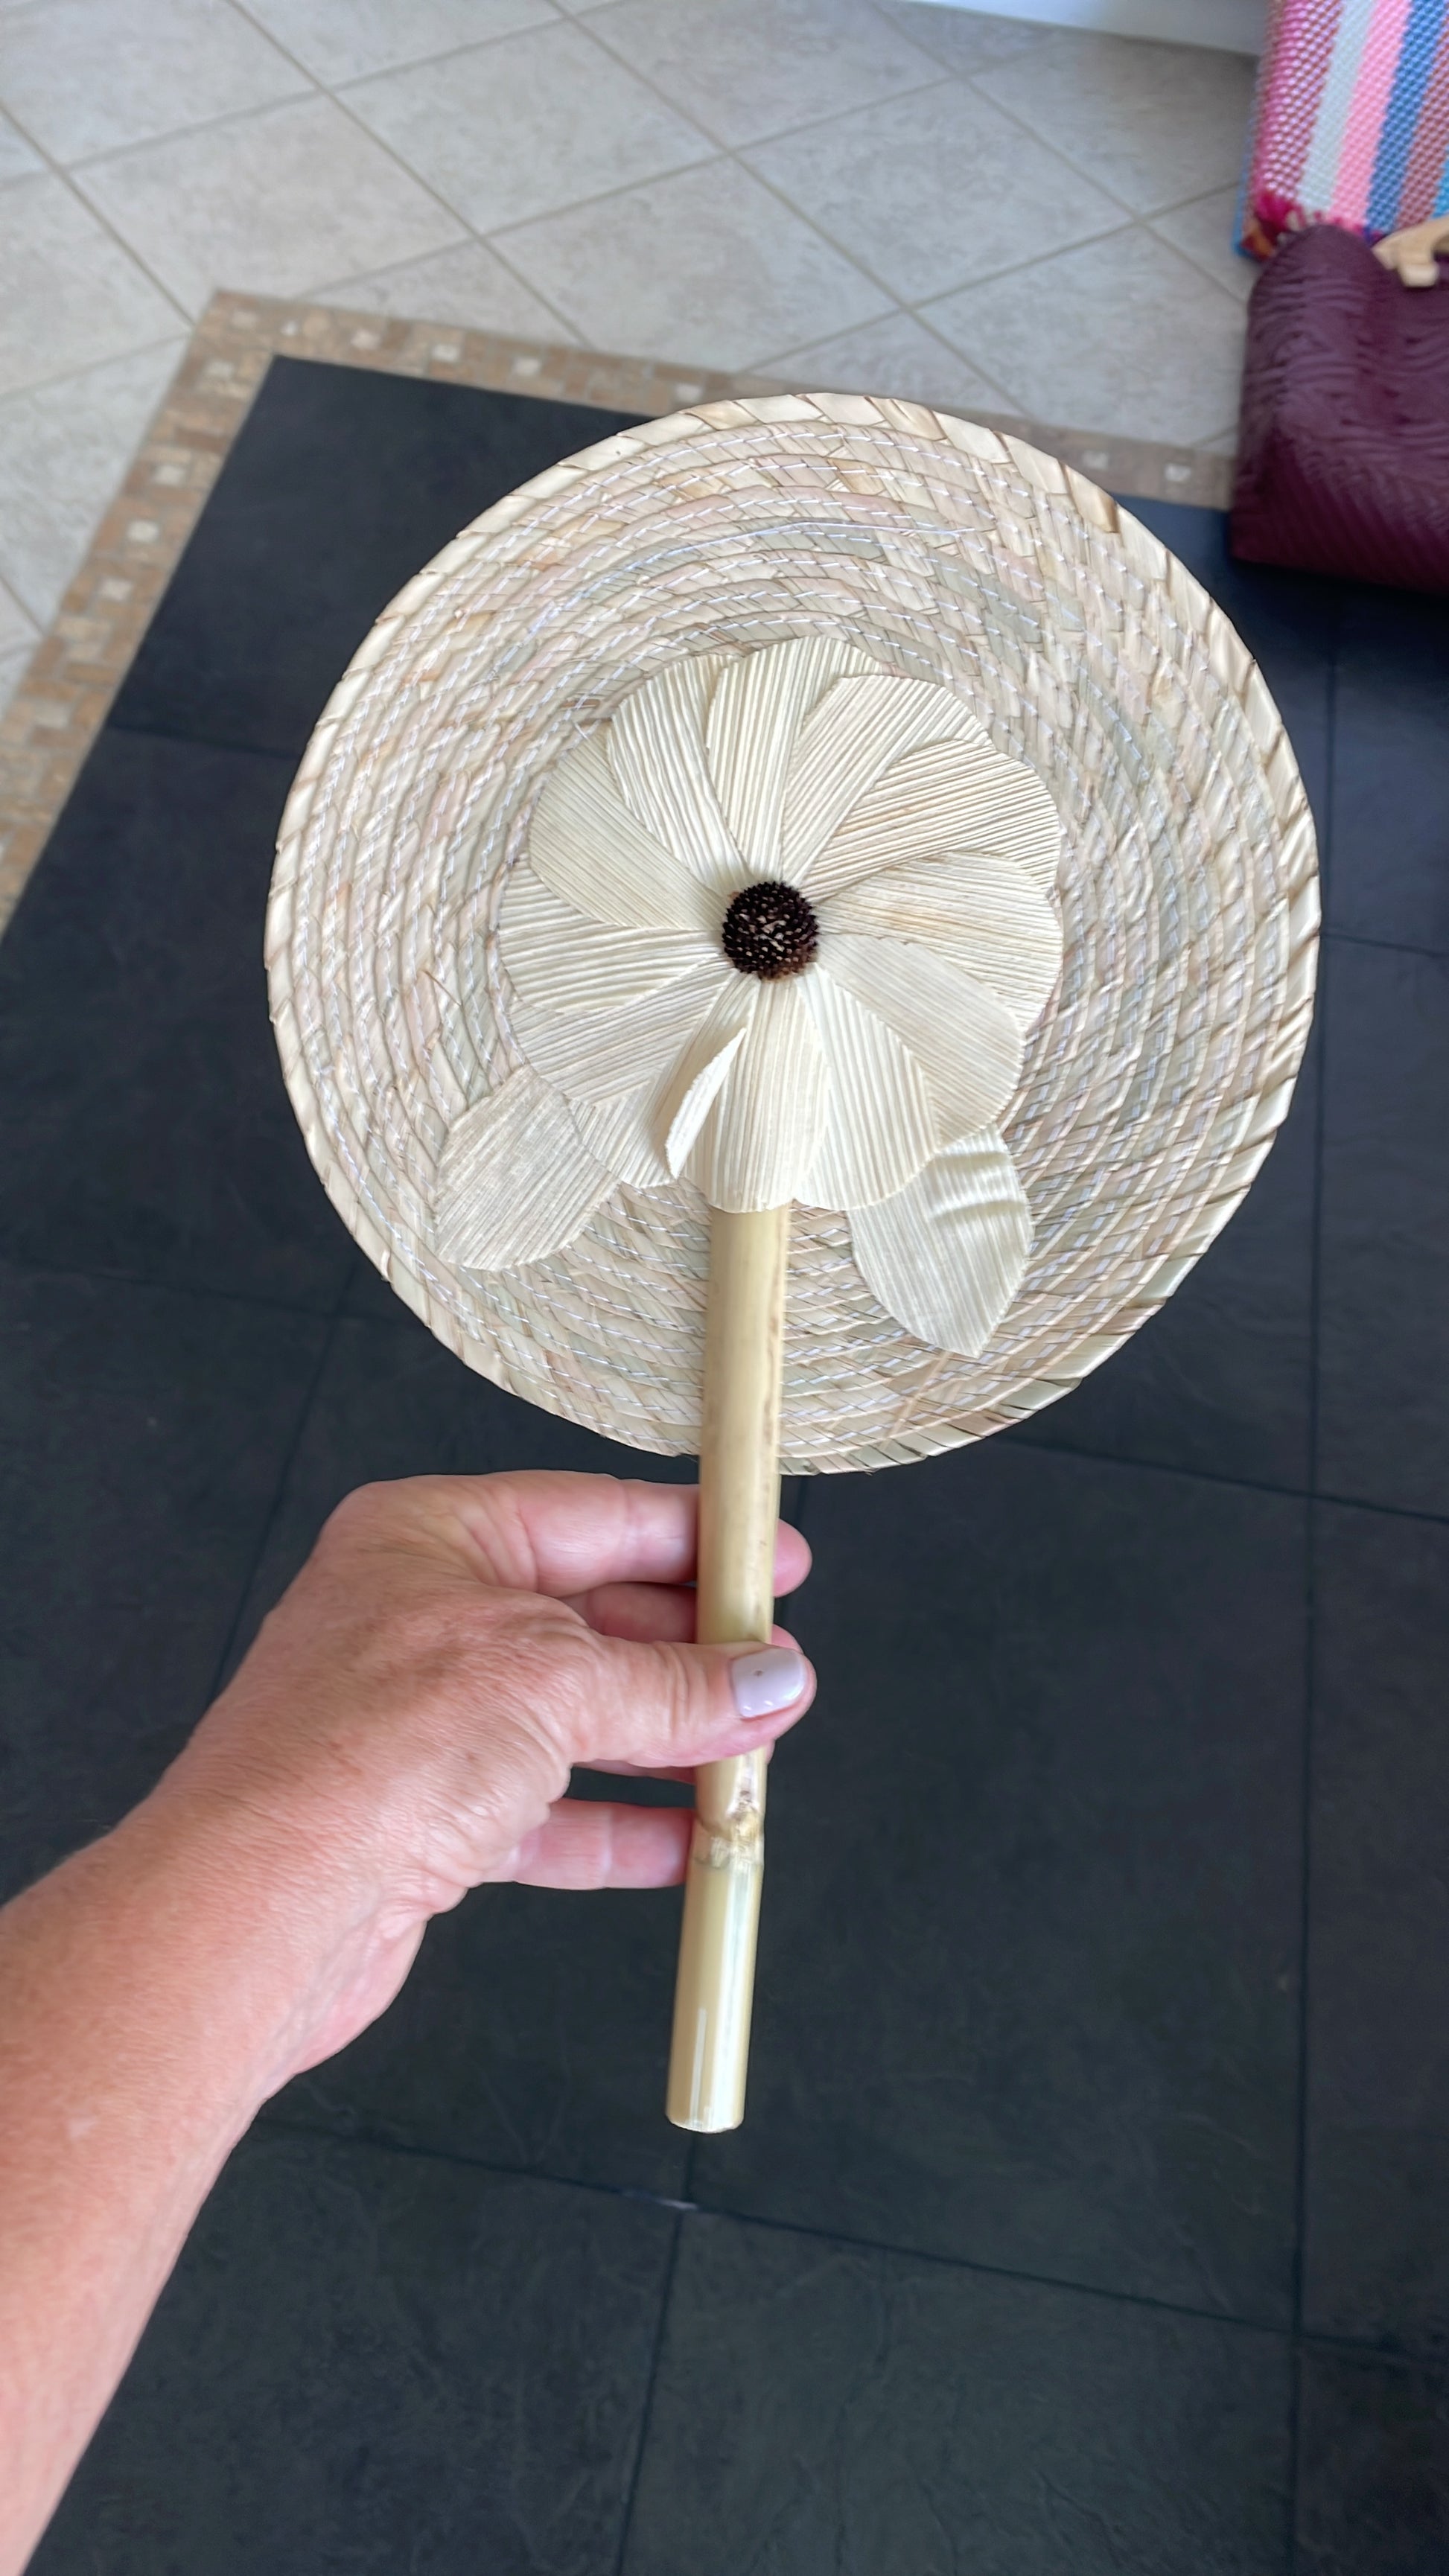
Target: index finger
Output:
[(542, 1530)]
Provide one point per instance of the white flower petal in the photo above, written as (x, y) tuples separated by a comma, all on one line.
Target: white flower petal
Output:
[(879, 1125), (516, 1180), (756, 1146), (645, 1135), (692, 1089), (860, 727), (592, 1054), (656, 752), (586, 845), (557, 960), (981, 914), (947, 1254), (952, 797), (622, 1129), (759, 704), (967, 1044)]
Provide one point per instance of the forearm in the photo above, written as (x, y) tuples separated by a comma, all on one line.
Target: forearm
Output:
[(150, 1989), (403, 1730)]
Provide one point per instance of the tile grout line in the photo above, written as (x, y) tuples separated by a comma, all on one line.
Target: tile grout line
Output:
[(360, 125), (558, 17), (718, 151), (976, 81), (1014, 268), (889, 19), (998, 2271), (933, 78), (57, 170), (284, 1473), (198, 125), (1136, 220), (177, 341), (1310, 1641), (1235, 1484), (905, 312), (405, 1322), (1389, 947), (71, 677), (917, 308), (945, 77), (686, 2208), (736, 155), (337, 286), (28, 642), (646, 2411), (1014, 117), (721, 151), (1152, 225), (316, 86), (942, 75), (121, 357)]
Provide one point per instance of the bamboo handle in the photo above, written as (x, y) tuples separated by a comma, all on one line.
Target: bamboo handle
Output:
[(739, 1505)]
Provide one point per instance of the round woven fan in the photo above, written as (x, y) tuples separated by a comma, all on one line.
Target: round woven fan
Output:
[(789, 939)]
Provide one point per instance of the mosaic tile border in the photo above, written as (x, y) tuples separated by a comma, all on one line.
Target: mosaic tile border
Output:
[(63, 699)]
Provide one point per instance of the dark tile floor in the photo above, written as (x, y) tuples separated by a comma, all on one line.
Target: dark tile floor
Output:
[(1090, 2213)]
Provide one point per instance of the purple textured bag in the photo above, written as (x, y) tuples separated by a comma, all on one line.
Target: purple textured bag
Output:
[(1343, 446)]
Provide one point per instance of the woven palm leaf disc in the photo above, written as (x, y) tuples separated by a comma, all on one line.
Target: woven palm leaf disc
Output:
[(815, 799)]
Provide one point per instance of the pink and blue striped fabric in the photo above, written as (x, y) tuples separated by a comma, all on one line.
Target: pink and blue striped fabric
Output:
[(1351, 123)]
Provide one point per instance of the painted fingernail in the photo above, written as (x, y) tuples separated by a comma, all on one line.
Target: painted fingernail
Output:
[(767, 1680)]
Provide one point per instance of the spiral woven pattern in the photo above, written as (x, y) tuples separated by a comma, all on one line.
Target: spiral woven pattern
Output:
[(1153, 1084)]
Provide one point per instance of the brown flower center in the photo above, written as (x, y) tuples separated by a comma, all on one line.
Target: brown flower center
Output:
[(770, 930)]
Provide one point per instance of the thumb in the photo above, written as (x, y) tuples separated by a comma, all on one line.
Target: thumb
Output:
[(666, 1705)]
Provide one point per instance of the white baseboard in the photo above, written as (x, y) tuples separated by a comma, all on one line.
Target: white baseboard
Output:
[(1229, 26)]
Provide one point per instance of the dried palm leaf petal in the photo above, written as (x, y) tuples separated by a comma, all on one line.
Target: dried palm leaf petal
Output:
[(758, 707), (894, 1023), (949, 798), (966, 1043), (880, 1124), (945, 1256), (760, 1138), (592, 1054), (516, 1180), (559, 960), (592, 851), (692, 1089), (656, 752), (978, 912), (621, 1131), (860, 728)]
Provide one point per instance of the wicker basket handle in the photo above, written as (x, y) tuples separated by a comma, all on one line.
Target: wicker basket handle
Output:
[(1411, 253)]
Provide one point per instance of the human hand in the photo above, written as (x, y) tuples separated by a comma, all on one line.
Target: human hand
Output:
[(404, 1727)]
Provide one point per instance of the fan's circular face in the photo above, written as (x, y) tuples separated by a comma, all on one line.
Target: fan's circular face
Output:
[(1152, 1080)]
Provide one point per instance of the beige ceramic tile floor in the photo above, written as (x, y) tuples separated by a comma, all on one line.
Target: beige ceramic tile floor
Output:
[(872, 193)]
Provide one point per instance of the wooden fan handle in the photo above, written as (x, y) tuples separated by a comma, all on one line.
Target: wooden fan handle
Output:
[(739, 1506)]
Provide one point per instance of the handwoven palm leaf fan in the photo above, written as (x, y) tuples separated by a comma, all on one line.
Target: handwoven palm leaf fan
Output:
[(790, 938)]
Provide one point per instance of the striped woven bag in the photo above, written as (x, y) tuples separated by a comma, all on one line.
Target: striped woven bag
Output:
[(1351, 122)]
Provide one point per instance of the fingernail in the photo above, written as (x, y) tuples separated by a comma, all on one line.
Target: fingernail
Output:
[(767, 1680)]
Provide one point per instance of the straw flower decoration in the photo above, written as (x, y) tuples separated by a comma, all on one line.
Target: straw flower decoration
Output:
[(782, 930)]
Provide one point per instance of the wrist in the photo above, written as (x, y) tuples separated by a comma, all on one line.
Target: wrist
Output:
[(158, 1987), (260, 1917)]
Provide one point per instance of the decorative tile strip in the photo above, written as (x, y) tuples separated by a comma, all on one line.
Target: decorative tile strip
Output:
[(62, 702)]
